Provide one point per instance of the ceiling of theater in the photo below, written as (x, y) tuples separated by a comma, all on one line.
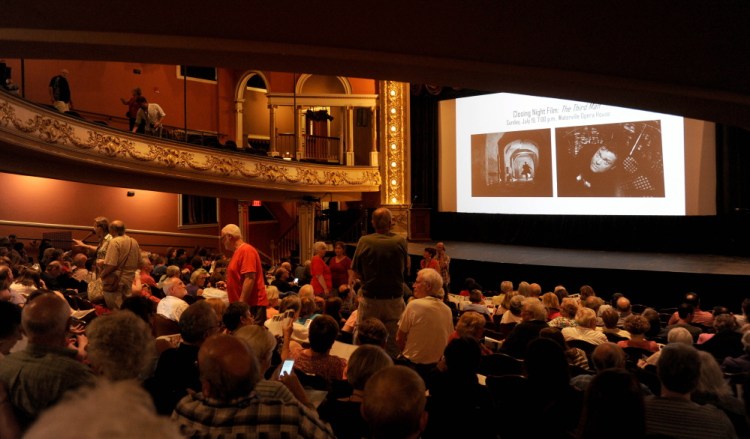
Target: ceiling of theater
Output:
[(683, 58)]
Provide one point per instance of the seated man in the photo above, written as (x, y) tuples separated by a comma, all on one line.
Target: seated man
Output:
[(673, 413), (586, 329), (394, 404), (624, 310), (476, 305), (427, 323), (172, 306), (236, 316), (700, 317), (38, 376), (685, 314), (176, 369), (228, 406)]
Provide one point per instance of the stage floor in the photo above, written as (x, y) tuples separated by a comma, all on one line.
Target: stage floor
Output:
[(558, 257)]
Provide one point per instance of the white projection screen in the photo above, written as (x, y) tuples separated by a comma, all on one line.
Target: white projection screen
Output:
[(514, 154)]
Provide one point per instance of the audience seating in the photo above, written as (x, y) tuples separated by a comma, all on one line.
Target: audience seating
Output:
[(164, 326), (500, 364), (638, 308), (310, 381), (634, 354), (346, 337), (614, 338)]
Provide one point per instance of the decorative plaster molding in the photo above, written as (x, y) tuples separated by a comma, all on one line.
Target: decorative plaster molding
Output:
[(29, 126)]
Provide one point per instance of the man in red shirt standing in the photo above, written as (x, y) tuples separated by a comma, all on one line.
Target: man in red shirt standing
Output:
[(245, 281)]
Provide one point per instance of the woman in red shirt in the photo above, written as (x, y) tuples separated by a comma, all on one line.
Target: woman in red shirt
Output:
[(429, 261), (321, 273), (340, 265)]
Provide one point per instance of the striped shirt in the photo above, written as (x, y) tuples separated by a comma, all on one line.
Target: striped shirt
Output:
[(686, 420)]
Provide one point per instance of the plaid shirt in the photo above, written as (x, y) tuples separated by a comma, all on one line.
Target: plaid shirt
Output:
[(247, 417)]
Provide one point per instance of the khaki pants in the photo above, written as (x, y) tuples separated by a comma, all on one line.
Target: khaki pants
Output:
[(113, 300), (387, 311)]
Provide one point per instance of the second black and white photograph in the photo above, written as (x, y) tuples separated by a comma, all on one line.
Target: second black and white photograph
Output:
[(610, 160)]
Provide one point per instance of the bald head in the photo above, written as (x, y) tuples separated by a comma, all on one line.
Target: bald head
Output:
[(228, 367), (623, 305), (117, 228), (381, 220), (394, 403), (45, 320)]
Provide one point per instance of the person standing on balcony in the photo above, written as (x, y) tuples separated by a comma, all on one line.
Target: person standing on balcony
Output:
[(151, 114), (245, 281), (380, 261), (133, 106), (59, 92)]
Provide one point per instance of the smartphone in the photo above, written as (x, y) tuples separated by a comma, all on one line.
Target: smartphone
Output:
[(296, 281), (286, 368)]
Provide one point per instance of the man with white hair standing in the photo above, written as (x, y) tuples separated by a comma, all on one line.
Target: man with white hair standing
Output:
[(427, 323), (245, 281)]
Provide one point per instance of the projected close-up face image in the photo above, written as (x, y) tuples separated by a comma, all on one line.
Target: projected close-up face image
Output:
[(603, 160), (610, 160)]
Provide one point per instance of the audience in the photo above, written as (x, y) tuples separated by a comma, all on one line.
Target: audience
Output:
[(226, 404), (455, 392), (613, 407), (426, 323), (585, 329), (684, 319), (695, 399), (637, 326), (316, 360), (568, 310), (39, 375), (344, 414), (394, 404), (534, 320), (673, 413), (120, 346), (176, 370)]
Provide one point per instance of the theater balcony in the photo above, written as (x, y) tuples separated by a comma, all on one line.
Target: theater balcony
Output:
[(39, 141)]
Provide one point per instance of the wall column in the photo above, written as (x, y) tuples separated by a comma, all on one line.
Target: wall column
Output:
[(272, 130), (300, 130), (306, 224), (374, 134), (350, 136), (239, 137)]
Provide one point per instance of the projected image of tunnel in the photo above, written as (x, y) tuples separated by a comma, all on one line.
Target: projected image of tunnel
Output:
[(512, 164)]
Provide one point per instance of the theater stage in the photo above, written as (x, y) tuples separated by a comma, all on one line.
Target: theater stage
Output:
[(657, 279)]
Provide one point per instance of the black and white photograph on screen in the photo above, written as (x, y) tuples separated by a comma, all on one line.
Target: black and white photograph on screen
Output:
[(610, 160), (512, 164)]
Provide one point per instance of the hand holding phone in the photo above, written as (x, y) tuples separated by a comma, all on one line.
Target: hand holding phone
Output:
[(286, 368)]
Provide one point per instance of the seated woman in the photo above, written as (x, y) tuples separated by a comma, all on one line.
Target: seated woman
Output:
[(515, 306), (568, 310), (344, 414), (471, 324), (316, 360), (27, 281), (550, 302), (333, 309), (575, 356), (637, 326), (197, 282), (273, 301)]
